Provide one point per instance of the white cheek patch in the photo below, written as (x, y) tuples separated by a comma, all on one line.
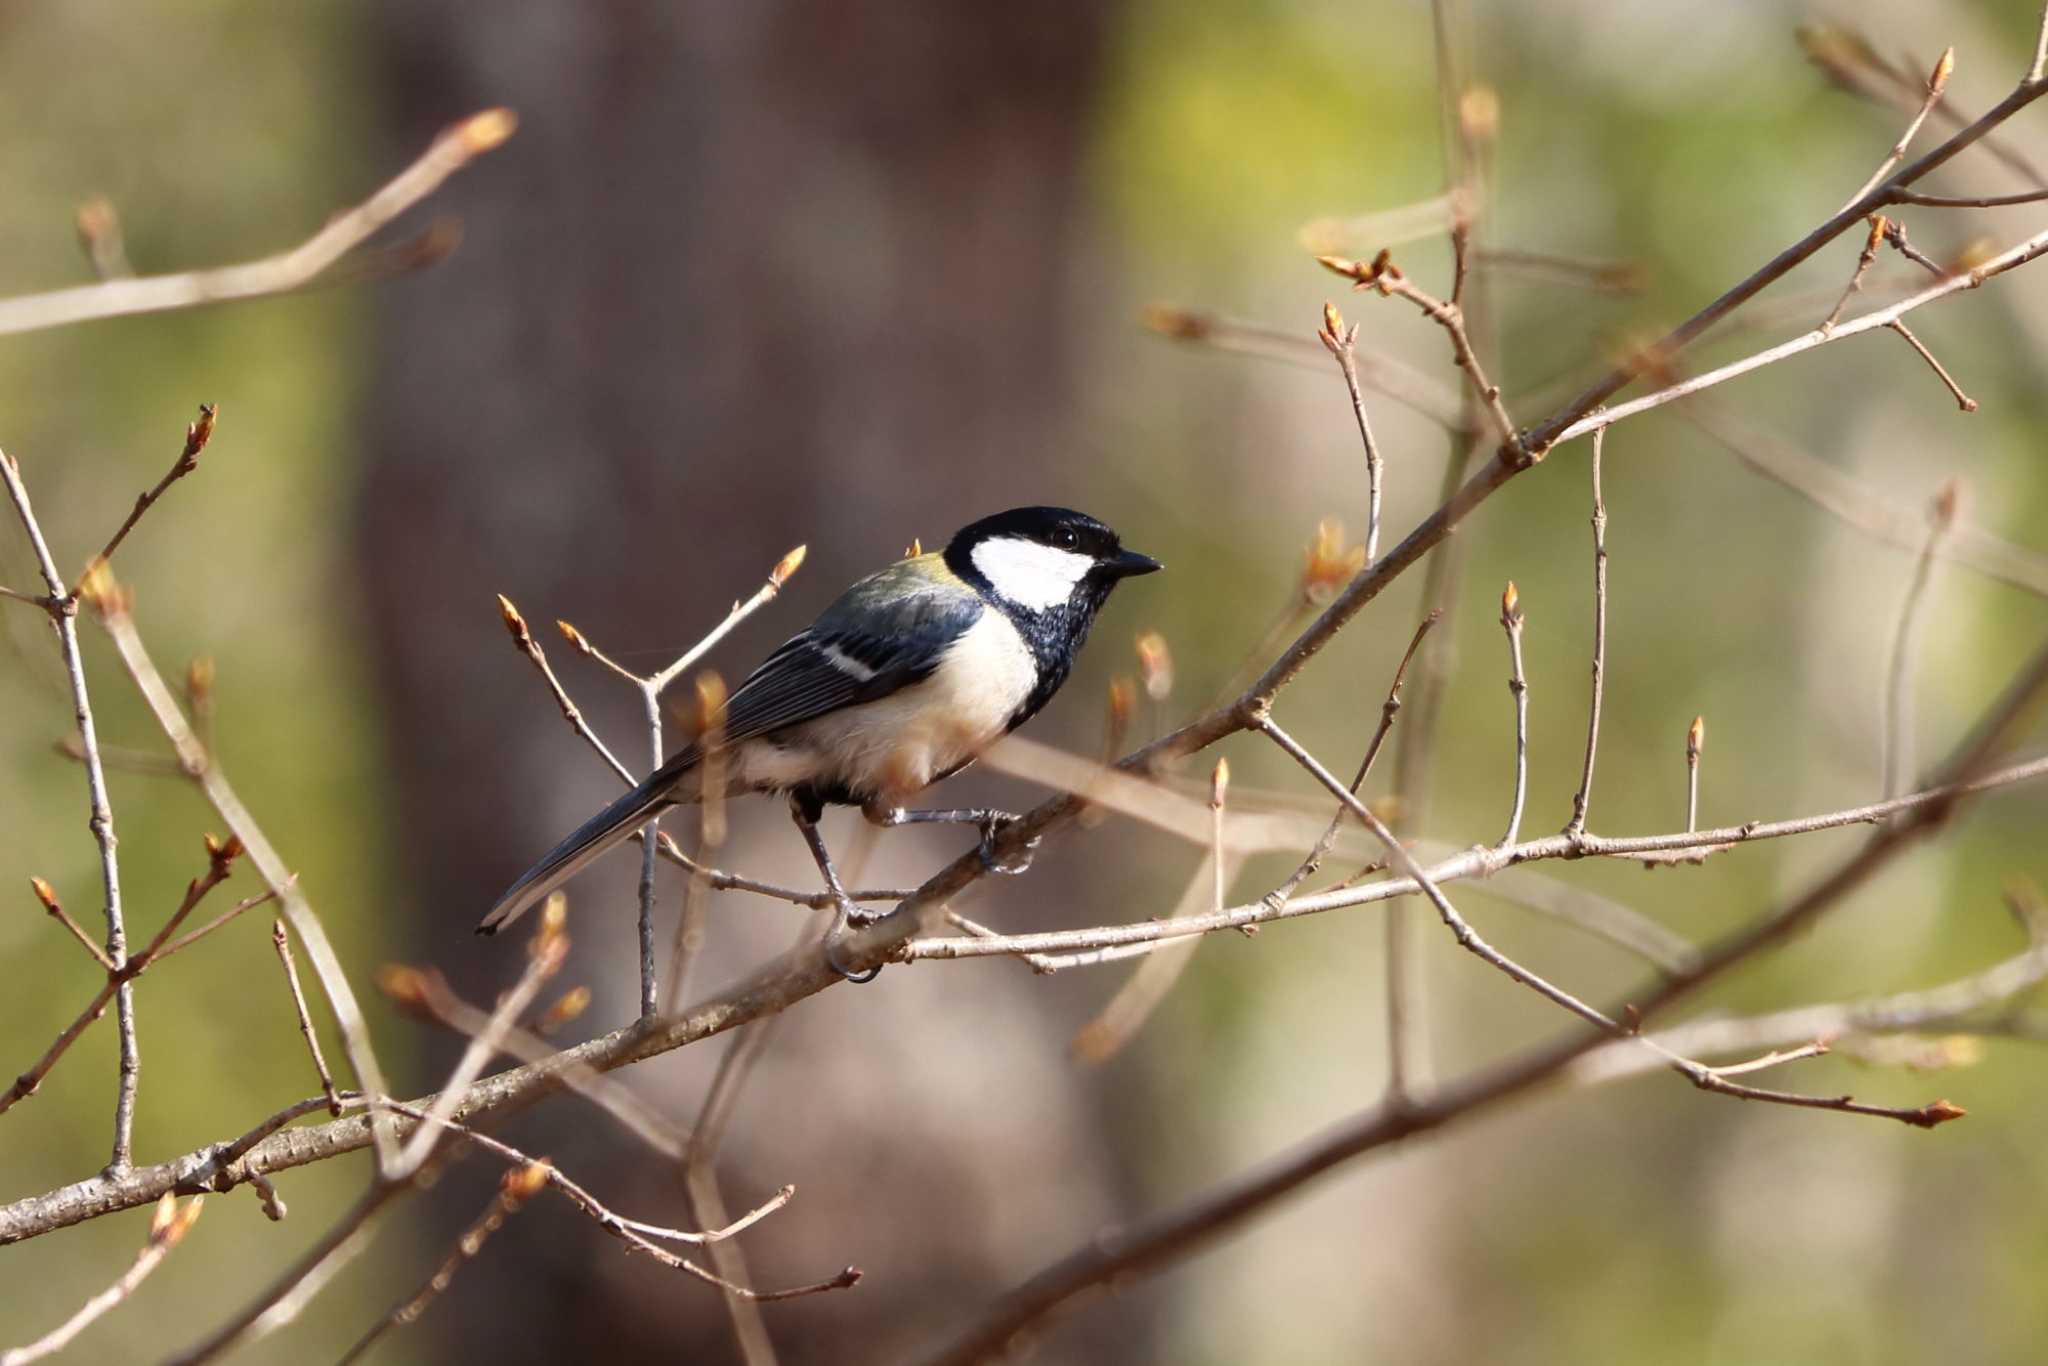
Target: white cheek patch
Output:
[(1032, 575)]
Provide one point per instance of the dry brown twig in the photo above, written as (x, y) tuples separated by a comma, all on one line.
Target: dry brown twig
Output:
[(515, 1188), (172, 1222), (197, 434), (1511, 619), (455, 148), (1582, 799), (650, 687), (111, 603), (280, 939), (1342, 344)]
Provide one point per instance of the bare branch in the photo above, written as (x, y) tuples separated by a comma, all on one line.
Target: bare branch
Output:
[(100, 817), (1937, 81), (1388, 711), (451, 151), (523, 640), (1878, 223), (1695, 743), (1342, 343), (2011, 258), (1483, 861), (281, 940), (1407, 386), (166, 1231), (1583, 797), (1856, 505), (1963, 400), (1949, 201), (220, 858), (1518, 687), (197, 434), (47, 895), (1383, 275), (544, 958), (515, 1188), (112, 606)]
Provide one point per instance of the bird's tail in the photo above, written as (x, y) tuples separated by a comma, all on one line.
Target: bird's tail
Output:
[(608, 827)]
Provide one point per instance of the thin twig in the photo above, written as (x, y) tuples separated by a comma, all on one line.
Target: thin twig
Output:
[(515, 1188), (47, 895), (1407, 386), (1864, 259), (1582, 799), (610, 1220), (112, 606), (220, 858), (523, 640), (170, 1226), (247, 903), (650, 986), (1695, 742), (1518, 687), (1383, 275), (2012, 257), (1342, 343), (289, 1292), (455, 148), (545, 955), (1949, 201), (711, 831), (197, 434), (426, 991), (100, 817), (707, 1201), (1118, 1022), (281, 940), (1897, 760), (1388, 711), (1858, 506), (1937, 81), (1963, 400), (1478, 862), (1895, 233)]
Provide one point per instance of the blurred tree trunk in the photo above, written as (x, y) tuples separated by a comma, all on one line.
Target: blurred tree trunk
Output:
[(750, 274)]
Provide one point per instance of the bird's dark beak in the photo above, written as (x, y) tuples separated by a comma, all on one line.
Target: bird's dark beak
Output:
[(1129, 563)]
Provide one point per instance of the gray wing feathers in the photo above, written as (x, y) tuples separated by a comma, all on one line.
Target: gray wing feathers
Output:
[(874, 640), (595, 836)]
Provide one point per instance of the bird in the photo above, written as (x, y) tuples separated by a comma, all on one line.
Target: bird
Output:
[(904, 680)]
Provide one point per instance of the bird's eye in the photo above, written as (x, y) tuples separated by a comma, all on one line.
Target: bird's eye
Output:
[(1066, 538)]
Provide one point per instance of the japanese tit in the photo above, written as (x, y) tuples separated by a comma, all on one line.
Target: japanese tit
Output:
[(906, 679)]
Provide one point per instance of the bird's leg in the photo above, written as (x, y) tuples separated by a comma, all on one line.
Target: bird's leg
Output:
[(805, 810), (989, 819)]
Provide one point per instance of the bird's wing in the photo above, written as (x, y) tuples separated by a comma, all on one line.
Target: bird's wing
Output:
[(888, 632)]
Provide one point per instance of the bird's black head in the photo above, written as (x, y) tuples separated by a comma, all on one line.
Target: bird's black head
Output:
[(1042, 559), (1048, 570)]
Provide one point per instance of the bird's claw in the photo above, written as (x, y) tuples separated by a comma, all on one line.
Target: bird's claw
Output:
[(991, 831), (850, 917)]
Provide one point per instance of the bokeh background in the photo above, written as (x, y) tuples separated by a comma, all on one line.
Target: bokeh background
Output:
[(754, 275)]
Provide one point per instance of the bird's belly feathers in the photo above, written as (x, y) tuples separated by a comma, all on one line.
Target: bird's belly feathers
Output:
[(890, 748)]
